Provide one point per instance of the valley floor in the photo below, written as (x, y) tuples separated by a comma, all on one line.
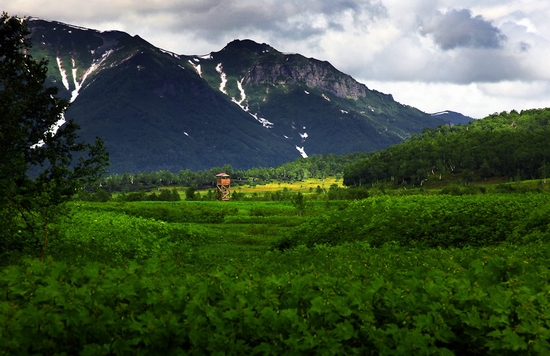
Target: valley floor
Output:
[(410, 274)]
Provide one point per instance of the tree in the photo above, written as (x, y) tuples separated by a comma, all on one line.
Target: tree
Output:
[(191, 193), (485, 170), (544, 171), (299, 203), (40, 167)]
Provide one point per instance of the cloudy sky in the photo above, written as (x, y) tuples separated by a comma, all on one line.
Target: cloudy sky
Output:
[(472, 56)]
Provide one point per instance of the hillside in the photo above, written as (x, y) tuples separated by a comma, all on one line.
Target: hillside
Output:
[(511, 145), (247, 105)]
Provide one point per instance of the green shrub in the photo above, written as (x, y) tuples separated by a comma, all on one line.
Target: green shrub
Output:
[(431, 221), (115, 238), (350, 299)]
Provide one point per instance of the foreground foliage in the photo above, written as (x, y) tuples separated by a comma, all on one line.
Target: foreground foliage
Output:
[(397, 275), (350, 299)]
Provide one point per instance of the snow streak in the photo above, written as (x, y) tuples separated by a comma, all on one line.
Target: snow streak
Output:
[(197, 67), (302, 151), (265, 123), (95, 65), (63, 73), (78, 86), (170, 53), (241, 90), (223, 78)]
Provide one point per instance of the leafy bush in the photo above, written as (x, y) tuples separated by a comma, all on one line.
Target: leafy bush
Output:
[(350, 299), (116, 238), (431, 221), (170, 212)]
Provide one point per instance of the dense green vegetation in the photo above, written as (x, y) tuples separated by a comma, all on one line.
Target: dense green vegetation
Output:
[(196, 277), (316, 166), (432, 221), (454, 270), (513, 145)]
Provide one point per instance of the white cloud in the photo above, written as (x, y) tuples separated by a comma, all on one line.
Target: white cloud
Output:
[(476, 100)]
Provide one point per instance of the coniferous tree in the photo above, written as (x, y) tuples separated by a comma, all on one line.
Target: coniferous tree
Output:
[(39, 170)]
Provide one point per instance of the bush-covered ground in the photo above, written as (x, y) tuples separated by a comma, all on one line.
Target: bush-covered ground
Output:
[(403, 275)]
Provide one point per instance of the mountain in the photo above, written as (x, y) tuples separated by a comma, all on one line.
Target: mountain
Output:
[(247, 105), (453, 118)]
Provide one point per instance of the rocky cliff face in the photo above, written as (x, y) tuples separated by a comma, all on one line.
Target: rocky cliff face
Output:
[(314, 75), (262, 64)]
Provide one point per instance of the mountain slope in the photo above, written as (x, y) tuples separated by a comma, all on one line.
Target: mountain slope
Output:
[(247, 105), (453, 118), (512, 145)]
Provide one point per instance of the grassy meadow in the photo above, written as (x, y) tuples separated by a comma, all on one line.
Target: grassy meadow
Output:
[(305, 187), (416, 271)]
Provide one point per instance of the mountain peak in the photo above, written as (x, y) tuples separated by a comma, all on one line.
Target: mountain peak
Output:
[(248, 45)]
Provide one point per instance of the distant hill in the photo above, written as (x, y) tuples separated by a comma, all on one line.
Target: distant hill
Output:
[(453, 118), (247, 105), (512, 145)]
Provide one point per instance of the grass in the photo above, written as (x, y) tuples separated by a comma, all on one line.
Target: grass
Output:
[(305, 187)]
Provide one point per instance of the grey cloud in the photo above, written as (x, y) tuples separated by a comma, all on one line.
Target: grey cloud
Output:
[(293, 19), (523, 46), (458, 28), (472, 65)]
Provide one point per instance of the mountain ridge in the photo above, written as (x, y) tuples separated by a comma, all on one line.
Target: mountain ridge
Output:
[(246, 105)]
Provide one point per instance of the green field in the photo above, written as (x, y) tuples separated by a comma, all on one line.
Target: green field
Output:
[(307, 186), (421, 273)]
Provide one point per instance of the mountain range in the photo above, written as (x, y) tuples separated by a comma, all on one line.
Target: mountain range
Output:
[(247, 105)]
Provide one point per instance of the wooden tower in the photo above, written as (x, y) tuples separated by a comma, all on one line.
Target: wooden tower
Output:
[(223, 182)]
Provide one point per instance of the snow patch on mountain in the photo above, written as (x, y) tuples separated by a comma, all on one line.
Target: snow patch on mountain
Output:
[(241, 90), (242, 103), (95, 65), (170, 53), (223, 78), (302, 151), (197, 67), (265, 123), (52, 129), (63, 72), (75, 27)]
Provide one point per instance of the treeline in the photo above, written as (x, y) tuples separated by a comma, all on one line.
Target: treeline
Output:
[(509, 144), (315, 166)]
